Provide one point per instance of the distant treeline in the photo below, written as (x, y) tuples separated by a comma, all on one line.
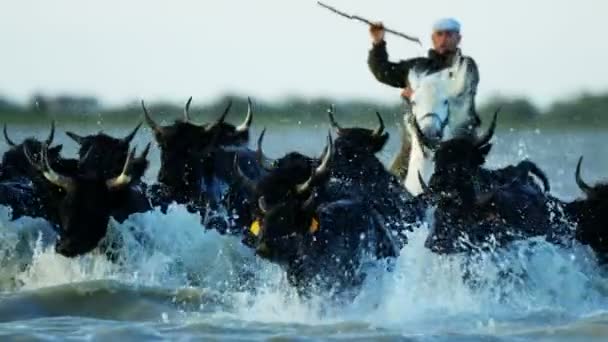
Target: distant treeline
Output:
[(584, 111)]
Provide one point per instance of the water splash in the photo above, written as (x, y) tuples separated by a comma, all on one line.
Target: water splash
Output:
[(216, 275)]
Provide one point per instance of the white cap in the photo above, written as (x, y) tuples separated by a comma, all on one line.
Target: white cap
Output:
[(446, 24)]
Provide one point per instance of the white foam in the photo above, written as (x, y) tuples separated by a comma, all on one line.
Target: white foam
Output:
[(424, 292)]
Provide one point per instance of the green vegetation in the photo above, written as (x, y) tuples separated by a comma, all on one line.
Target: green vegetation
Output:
[(585, 111)]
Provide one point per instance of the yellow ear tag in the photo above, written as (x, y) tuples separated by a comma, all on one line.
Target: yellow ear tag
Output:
[(314, 226), (255, 228)]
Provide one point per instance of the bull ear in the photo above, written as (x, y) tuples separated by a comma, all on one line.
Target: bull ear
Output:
[(56, 149), (485, 149), (77, 138)]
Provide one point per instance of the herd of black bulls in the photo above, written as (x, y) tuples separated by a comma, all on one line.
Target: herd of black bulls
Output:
[(317, 217)]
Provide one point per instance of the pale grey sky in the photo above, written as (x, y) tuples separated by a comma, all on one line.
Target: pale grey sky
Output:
[(168, 50)]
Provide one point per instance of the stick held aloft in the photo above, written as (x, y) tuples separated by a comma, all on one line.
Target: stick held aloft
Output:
[(368, 22)]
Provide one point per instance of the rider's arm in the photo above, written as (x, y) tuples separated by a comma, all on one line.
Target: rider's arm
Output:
[(392, 74)]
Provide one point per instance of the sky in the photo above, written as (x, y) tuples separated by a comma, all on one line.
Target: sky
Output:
[(122, 50)]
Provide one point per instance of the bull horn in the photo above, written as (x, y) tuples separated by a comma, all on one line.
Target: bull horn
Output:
[(86, 156), (49, 140), (124, 178), (332, 120), (127, 140), (484, 139), (530, 167), (187, 110), (8, 140), (308, 205), (244, 127), (149, 121), (44, 166), (77, 138), (262, 205), (262, 159), (226, 111), (248, 183), (423, 185), (579, 180), (321, 170), (380, 129), (144, 153), (420, 136)]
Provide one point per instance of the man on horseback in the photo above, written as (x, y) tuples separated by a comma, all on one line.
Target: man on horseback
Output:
[(439, 91), (446, 38)]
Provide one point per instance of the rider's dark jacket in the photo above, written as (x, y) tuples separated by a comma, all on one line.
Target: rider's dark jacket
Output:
[(395, 74)]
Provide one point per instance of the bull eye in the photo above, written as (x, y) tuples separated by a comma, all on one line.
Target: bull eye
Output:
[(445, 102)]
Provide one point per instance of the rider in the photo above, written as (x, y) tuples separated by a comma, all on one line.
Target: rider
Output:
[(446, 38)]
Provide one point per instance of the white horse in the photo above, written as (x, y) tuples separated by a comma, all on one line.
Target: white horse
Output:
[(442, 107)]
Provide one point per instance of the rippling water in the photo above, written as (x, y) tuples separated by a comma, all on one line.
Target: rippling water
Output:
[(182, 282)]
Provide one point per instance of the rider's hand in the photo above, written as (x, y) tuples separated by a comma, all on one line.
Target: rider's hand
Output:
[(406, 93), (377, 32)]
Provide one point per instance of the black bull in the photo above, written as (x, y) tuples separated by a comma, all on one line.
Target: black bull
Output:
[(477, 208), (104, 182), (22, 188), (320, 218), (196, 168)]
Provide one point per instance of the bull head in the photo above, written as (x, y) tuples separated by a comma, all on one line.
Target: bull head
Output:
[(376, 133), (48, 141), (68, 183), (126, 140)]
